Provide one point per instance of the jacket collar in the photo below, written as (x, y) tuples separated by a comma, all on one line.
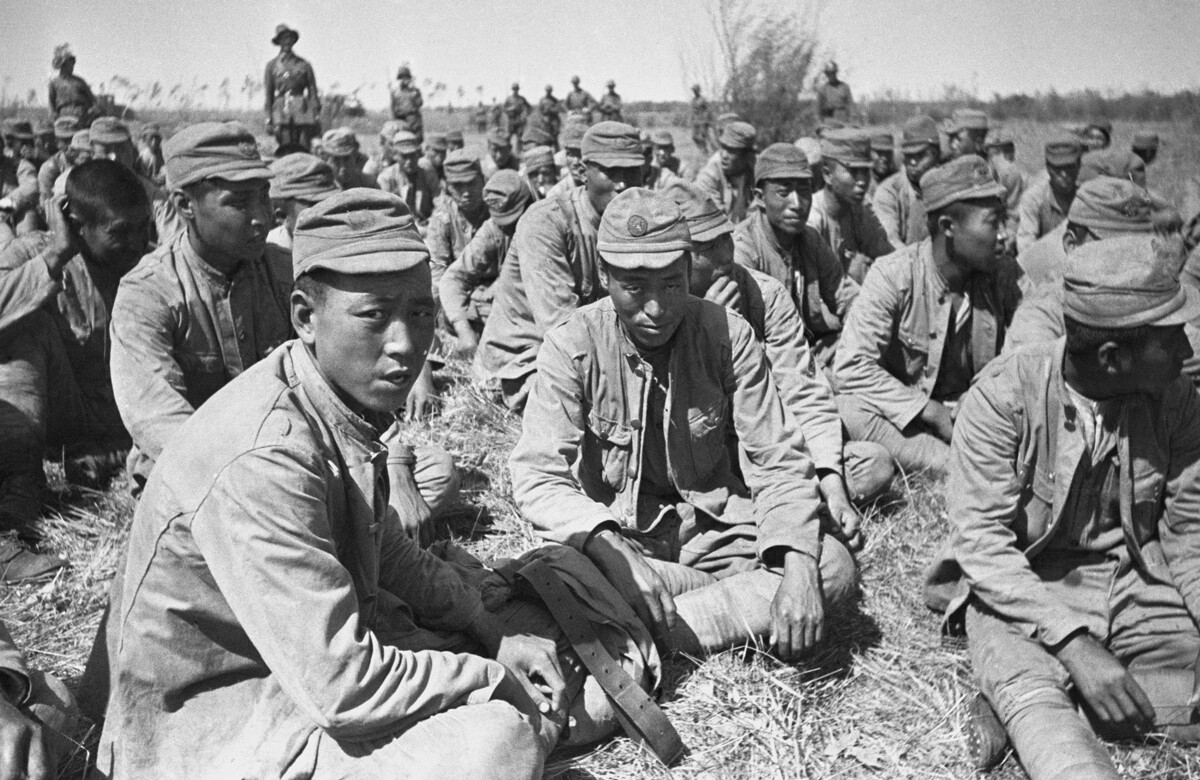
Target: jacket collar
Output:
[(361, 433)]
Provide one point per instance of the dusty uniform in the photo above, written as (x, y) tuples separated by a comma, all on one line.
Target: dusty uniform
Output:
[(732, 196), (609, 107), (291, 88), (450, 231), (549, 115), (702, 123), (406, 107), (1040, 212), (902, 345), (467, 284), (274, 504), (1071, 514), (900, 211), (54, 348), (71, 96), (854, 235), (834, 101), (516, 111), (615, 438), (581, 103), (552, 269), (811, 273), (418, 193)]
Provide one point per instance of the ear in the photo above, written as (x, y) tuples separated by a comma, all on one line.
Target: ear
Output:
[(758, 192), (1070, 242), (946, 225), (303, 313), (184, 205), (603, 273)]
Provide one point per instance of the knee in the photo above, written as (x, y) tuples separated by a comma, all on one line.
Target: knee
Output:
[(1019, 699), (509, 748), (839, 572), (436, 477), (869, 470)]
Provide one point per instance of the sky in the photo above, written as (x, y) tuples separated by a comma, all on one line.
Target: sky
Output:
[(650, 47)]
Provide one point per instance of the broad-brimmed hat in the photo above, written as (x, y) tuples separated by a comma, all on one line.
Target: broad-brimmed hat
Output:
[(282, 30)]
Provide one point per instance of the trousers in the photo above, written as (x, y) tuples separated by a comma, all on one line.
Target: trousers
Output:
[(915, 448), (1144, 623), (869, 470)]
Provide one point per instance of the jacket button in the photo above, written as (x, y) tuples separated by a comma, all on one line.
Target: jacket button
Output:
[(636, 424), (631, 472), (242, 336)]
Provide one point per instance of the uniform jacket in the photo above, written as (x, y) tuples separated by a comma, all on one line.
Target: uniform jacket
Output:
[(290, 86), (406, 101), (1038, 214), (811, 273), (73, 93), (552, 268), (577, 464), (893, 339), (834, 102), (609, 107), (467, 284), (852, 235), (901, 211), (1043, 261), (732, 196), (580, 100), (263, 568), (419, 192), (1015, 451), (181, 330), (448, 235)]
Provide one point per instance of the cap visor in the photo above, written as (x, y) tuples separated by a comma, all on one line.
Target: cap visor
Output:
[(1063, 159), (244, 174), (616, 160), (380, 262), (1188, 312), (649, 260), (702, 234)]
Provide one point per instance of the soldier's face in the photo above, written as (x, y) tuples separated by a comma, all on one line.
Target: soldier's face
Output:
[(966, 142), (467, 194), (500, 154), (917, 164), (711, 261), (1062, 178), (848, 184), (1148, 155), (735, 162), (119, 239), (410, 162), (1095, 138), (369, 334), (231, 218), (24, 150), (883, 163), (976, 237), (663, 155), (786, 202), (544, 178), (575, 165), (603, 184), (454, 145), (650, 303)]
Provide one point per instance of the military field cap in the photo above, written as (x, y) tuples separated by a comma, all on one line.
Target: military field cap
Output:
[(406, 142), (881, 139), (506, 196), (454, 136), (918, 133), (1109, 205), (781, 161), (612, 145), (1117, 163), (65, 127), (404, 72), (1145, 141), (574, 79), (81, 141), (549, 88), (1126, 282), (339, 142), (642, 228), (811, 148), (43, 127), (18, 128), (212, 150), (1100, 124), (536, 136), (282, 30), (516, 85), (107, 130), (573, 132), (389, 129), (358, 231), (831, 66), (437, 142), (965, 178), (967, 119), (738, 135), (662, 138), (497, 137), (151, 129), (850, 147), (610, 83), (728, 116), (1064, 149), (999, 137), (461, 167), (62, 54), (538, 157), (302, 176), (706, 220)]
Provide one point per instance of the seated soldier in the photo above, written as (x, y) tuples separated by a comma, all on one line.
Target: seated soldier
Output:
[(1074, 487), (298, 180), (848, 471), (319, 641), (56, 292), (840, 213), (728, 176), (776, 240), (624, 456), (552, 268), (37, 717), (1044, 205), (417, 187), (500, 153), (466, 287), (458, 215), (339, 148), (897, 201), (929, 318), (540, 171), (572, 174)]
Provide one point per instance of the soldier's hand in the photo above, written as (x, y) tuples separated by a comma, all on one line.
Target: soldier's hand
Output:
[(798, 610), (466, 334), (1107, 687), (846, 518), (937, 416), (423, 398), (406, 499), (724, 290), (536, 659), (65, 242), (635, 579), (23, 753)]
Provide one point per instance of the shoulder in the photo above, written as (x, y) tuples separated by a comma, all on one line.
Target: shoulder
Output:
[(545, 215), (897, 268), (584, 330)]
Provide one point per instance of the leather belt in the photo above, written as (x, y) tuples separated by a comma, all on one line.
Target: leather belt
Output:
[(636, 710)]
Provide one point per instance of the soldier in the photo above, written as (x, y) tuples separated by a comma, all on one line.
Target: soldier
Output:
[(833, 97), (641, 479), (44, 145), (609, 106), (536, 135), (839, 213), (573, 173), (1001, 150), (897, 202), (580, 102), (293, 104), (500, 153), (339, 148), (454, 140), (1097, 134), (1073, 482), (1046, 203), (728, 176), (496, 115), (541, 173), (55, 388), (928, 320), (1145, 145), (702, 122), (847, 471), (386, 154), (777, 241), (19, 180), (276, 501), (967, 133), (480, 117), (667, 165), (467, 285), (150, 157), (417, 187), (550, 112), (70, 95), (436, 148), (65, 128), (552, 268), (883, 159), (458, 216), (516, 111), (407, 102), (298, 181), (1113, 162)]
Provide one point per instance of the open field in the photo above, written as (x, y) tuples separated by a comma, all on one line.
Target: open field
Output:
[(885, 698)]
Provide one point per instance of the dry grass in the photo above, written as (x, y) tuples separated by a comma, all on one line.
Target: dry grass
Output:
[(885, 698)]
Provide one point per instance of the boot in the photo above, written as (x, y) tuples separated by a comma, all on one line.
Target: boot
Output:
[(20, 501), (20, 564), (987, 740)]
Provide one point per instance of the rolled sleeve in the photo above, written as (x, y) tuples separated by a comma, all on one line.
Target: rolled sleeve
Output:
[(1039, 318)]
